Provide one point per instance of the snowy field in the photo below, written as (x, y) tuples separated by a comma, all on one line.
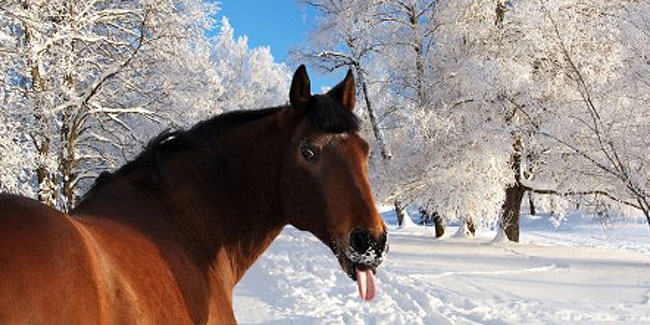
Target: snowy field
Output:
[(580, 271)]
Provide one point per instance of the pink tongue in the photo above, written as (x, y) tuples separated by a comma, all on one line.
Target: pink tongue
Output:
[(366, 283)]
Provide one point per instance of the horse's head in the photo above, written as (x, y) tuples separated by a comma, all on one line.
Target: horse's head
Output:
[(325, 184)]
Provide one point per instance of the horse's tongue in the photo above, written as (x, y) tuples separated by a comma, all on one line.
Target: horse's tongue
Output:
[(366, 283)]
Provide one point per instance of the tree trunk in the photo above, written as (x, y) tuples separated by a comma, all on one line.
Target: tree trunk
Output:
[(500, 13), (510, 211), (531, 204), (399, 212), (424, 216), (466, 228), (436, 218), (44, 192), (417, 46), (46, 181), (440, 227), (511, 207), (377, 131), (470, 225), (645, 208), (68, 165)]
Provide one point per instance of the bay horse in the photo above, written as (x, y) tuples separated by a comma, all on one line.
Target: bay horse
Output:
[(166, 237)]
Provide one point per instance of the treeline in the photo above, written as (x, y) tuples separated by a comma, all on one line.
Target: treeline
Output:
[(479, 107)]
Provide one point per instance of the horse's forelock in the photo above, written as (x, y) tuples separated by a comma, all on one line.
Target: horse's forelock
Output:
[(328, 116)]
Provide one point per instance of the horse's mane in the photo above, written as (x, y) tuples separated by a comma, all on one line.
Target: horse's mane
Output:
[(328, 118)]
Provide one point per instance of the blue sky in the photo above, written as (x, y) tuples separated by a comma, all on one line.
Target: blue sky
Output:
[(282, 25)]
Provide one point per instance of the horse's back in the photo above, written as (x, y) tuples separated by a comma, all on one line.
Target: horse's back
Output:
[(45, 270)]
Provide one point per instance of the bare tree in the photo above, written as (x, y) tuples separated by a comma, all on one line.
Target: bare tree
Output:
[(349, 22)]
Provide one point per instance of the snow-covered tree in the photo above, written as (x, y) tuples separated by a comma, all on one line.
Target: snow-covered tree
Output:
[(86, 83), (554, 69), (437, 133), (603, 116), (249, 77), (484, 101), (88, 73), (348, 36)]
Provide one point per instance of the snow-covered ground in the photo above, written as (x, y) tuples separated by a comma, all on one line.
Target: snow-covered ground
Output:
[(581, 271)]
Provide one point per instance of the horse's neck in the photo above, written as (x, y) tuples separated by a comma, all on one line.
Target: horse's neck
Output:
[(224, 212), (245, 211)]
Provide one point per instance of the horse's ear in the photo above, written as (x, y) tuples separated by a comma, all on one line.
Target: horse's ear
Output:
[(345, 92), (300, 88)]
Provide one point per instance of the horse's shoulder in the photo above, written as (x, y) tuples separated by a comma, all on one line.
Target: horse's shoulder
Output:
[(29, 229), (139, 274), (42, 248)]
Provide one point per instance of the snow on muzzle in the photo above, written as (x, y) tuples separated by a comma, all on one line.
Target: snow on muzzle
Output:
[(363, 254)]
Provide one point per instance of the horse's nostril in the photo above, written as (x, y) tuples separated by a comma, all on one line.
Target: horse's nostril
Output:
[(360, 240)]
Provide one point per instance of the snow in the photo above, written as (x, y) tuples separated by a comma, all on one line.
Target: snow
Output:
[(581, 271), (500, 237)]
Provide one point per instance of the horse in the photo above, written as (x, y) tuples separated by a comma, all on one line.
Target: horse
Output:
[(166, 237)]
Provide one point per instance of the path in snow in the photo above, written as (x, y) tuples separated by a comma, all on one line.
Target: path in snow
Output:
[(449, 281)]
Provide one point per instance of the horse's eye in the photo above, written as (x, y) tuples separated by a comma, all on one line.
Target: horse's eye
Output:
[(309, 152)]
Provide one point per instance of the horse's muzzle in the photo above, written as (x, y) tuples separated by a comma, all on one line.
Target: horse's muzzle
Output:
[(364, 251)]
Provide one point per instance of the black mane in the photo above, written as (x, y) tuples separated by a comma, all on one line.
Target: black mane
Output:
[(322, 113)]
